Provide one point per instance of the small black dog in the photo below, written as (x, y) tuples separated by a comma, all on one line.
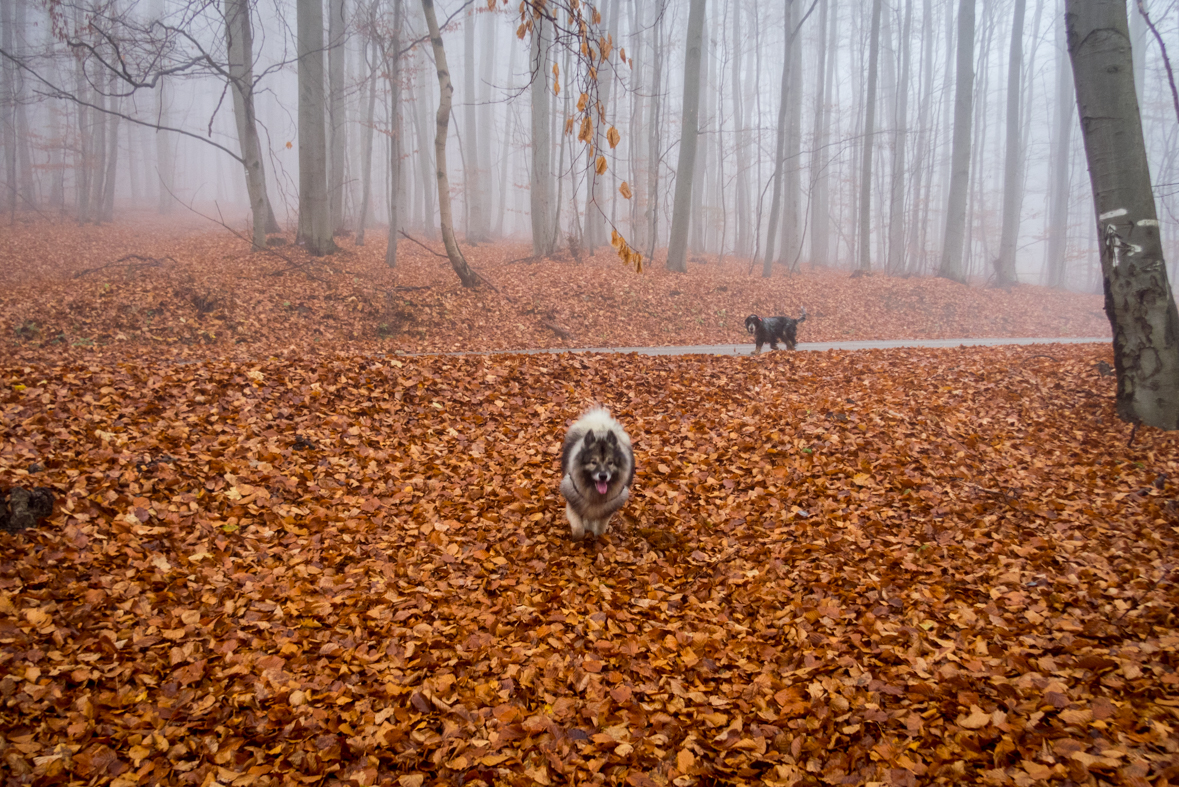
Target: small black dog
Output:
[(774, 330)]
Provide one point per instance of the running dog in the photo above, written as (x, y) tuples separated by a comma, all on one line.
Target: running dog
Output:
[(597, 468), (774, 330)]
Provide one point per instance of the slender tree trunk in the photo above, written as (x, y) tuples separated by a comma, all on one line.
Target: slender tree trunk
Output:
[(697, 226), (366, 161), (742, 217), (896, 209), (1013, 165), (544, 241), (1060, 169), (315, 228), (681, 209), (869, 143), (240, 45), (820, 200), (477, 230), (26, 180), (792, 173), (98, 156), (951, 267), (638, 160), (106, 206), (8, 104), (1138, 297), (779, 154), (393, 68), (337, 115), (919, 212), (446, 91), (654, 155), (505, 164)]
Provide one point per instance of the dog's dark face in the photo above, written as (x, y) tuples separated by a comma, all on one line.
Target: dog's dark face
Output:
[(752, 322), (600, 463)]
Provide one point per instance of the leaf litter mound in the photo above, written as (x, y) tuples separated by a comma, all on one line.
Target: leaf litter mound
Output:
[(892, 566)]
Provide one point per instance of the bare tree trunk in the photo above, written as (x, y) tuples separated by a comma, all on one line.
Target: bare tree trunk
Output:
[(446, 91), (697, 228), (779, 153), (896, 209), (26, 182), (638, 161), (98, 156), (865, 265), (337, 115), (1013, 165), (315, 228), (106, 206), (366, 161), (239, 39), (654, 156), (951, 267), (792, 174), (742, 217), (393, 68), (1059, 190), (922, 169), (544, 241), (820, 200), (8, 104), (681, 209), (1138, 297), (477, 230), (505, 169)]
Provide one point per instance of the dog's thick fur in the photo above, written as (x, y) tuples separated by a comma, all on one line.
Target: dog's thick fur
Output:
[(774, 330), (597, 469)]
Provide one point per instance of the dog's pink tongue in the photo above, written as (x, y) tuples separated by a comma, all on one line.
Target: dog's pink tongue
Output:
[(601, 487)]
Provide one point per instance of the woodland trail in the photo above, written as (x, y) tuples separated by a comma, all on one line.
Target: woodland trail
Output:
[(747, 349)]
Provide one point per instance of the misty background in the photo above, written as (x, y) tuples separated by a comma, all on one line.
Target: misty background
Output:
[(111, 107)]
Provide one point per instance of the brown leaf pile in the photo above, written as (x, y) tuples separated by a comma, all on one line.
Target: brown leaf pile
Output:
[(895, 567), (189, 291)]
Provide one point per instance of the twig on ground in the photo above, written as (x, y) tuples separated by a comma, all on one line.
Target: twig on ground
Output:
[(412, 239), (557, 329), (145, 262), (1133, 434)]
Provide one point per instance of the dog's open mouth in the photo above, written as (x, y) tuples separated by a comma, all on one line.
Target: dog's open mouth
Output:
[(601, 486)]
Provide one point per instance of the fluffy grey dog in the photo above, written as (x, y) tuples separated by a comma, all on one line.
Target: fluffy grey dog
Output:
[(597, 468)]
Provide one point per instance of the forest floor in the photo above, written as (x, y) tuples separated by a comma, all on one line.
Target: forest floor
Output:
[(188, 289), (905, 566)]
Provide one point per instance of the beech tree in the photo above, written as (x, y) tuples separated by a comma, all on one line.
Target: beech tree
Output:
[(1138, 297), (951, 267), (681, 209), (315, 228), (442, 126), (1013, 168)]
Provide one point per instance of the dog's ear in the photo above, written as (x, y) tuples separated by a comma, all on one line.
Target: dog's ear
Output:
[(611, 440), (590, 438)]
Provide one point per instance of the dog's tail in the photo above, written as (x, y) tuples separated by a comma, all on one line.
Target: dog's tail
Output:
[(803, 316)]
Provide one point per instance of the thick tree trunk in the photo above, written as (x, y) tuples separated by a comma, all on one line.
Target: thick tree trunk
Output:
[(315, 228), (1138, 297), (240, 45), (1013, 164), (544, 240), (682, 206), (951, 267), (865, 265), (446, 91), (337, 114)]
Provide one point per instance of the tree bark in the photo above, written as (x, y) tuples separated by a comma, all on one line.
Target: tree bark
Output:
[(544, 240), (393, 68), (951, 267), (865, 265), (682, 206), (1058, 193), (820, 200), (896, 208), (337, 114), (779, 154), (366, 161), (477, 230), (239, 39), (315, 228), (442, 122), (1138, 297), (1013, 164), (654, 158)]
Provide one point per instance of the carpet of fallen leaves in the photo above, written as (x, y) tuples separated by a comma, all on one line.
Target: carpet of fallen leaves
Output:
[(189, 289), (343, 567)]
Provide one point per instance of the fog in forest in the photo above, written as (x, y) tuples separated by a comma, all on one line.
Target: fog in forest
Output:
[(113, 107)]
